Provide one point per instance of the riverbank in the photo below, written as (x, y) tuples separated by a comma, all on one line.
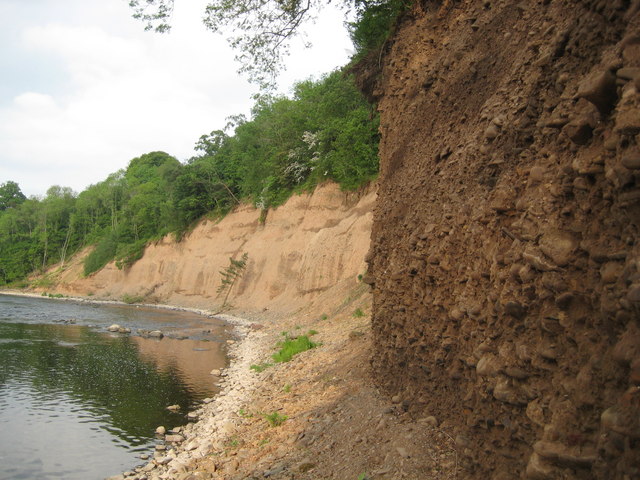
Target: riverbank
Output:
[(318, 416)]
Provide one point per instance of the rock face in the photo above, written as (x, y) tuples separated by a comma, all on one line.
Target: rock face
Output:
[(505, 258)]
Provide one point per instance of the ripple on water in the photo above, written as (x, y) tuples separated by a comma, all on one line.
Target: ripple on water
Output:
[(76, 404)]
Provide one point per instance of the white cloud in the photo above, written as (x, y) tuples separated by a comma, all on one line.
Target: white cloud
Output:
[(127, 92)]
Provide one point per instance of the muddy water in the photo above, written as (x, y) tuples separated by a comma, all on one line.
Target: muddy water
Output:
[(77, 402)]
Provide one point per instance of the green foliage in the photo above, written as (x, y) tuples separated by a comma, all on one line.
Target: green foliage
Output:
[(261, 31), (274, 419), (102, 254), (374, 21), (292, 346), (129, 254), (287, 388), (261, 367), (131, 299), (230, 275), (10, 195), (244, 414), (358, 313)]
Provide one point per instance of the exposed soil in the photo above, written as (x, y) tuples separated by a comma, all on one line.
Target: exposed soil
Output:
[(505, 252)]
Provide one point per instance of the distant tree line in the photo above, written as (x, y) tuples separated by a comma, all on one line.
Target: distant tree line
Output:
[(325, 131)]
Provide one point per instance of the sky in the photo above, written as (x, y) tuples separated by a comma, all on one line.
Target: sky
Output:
[(84, 89)]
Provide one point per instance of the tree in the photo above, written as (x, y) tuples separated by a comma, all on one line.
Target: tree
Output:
[(262, 29), (230, 275), (10, 195)]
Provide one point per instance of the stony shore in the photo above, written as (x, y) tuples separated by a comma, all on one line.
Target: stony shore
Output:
[(332, 422)]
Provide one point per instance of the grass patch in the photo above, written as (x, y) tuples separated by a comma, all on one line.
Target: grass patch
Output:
[(274, 419), (130, 299), (292, 346), (358, 313), (261, 367), (244, 414), (286, 388)]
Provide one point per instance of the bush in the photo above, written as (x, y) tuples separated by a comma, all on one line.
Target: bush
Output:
[(291, 347), (130, 299), (104, 252)]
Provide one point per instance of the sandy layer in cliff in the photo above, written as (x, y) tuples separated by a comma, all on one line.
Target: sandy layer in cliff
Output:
[(309, 250)]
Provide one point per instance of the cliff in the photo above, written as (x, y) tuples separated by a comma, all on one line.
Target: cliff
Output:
[(505, 258), (307, 250)]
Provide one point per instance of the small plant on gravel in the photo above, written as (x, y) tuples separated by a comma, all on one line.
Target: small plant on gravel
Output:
[(363, 476), (312, 332), (274, 419), (244, 414), (233, 442), (324, 316), (358, 313), (286, 388), (261, 367), (292, 346)]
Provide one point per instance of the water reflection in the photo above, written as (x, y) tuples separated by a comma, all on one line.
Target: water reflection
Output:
[(76, 403)]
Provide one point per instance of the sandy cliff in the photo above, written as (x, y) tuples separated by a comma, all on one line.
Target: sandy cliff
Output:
[(312, 247)]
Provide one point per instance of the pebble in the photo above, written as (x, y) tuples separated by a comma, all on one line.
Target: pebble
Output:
[(599, 88), (633, 295), (536, 174), (579, 131), (488, 366), (114, 328), (492, 131), (430, 420), (402, 452), (161, 430), (628, 121), (631, 159)]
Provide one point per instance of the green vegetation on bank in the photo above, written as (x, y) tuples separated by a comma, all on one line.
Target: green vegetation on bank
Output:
[(325, 131)]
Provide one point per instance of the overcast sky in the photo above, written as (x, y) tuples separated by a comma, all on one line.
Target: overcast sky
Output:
[(83, 89)]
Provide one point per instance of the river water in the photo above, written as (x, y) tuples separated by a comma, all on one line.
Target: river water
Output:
[(79, 403)]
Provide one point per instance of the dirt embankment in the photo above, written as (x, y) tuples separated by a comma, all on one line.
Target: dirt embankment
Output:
[(505, 252), (310, 249)]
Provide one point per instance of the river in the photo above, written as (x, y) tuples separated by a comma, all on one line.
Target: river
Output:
[(80, 403)]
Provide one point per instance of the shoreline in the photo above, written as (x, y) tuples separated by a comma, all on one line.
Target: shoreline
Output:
[(215, 419)]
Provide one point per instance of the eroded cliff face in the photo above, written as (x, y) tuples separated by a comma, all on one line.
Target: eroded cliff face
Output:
[(505, 258), (306, 251)]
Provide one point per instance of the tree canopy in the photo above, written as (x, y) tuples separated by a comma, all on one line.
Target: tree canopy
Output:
[(261, 30)]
